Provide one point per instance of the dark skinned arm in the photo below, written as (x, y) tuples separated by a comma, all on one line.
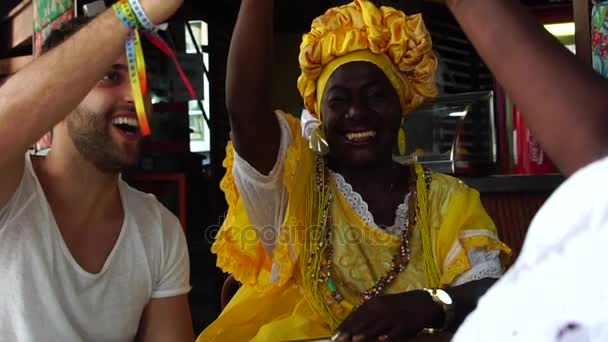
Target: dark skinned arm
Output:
[(255, 128), (402, 316), (563, 101)]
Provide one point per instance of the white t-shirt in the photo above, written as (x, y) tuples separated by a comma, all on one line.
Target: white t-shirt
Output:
[(558, 289), (46, 296)]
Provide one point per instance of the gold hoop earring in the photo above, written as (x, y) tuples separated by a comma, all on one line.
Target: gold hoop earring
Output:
[(401, 139)]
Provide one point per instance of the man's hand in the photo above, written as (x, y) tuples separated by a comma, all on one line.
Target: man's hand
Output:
[(160, 10), (392, 317)]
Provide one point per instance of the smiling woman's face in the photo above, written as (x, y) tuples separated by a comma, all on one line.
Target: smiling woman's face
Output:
[(361, 115)]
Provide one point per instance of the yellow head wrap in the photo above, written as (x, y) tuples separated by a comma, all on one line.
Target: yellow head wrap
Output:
[(399, 45)]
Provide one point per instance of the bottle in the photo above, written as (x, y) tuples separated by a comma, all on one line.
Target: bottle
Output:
[(529, 157)]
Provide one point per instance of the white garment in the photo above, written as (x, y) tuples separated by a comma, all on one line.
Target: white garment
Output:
[(556, 291), (265, 199), (46, 296)]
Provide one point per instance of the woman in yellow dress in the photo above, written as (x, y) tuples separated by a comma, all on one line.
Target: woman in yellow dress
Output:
[(327, 234)]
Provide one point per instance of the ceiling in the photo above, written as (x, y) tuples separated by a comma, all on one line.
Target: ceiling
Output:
[(296, 15), (291, 15)]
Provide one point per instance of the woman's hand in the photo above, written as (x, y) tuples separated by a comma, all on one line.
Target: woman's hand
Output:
[(391, 317)]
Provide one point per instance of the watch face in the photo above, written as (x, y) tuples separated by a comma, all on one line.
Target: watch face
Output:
[(444, 297)]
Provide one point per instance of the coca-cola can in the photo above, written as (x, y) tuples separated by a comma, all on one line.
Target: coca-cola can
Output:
[(529, 157)]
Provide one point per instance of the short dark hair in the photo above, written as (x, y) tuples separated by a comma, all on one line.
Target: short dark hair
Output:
[(65, 31)]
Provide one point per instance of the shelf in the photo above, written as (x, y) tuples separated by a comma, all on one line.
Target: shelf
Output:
[(514, 183)]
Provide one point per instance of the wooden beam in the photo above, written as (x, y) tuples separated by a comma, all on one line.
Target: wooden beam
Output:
[(582, 20), (556, 13), (16, 10), (18, 28), (9, 66)]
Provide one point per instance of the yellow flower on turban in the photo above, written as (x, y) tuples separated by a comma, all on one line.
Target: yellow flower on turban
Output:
[(398, 44)]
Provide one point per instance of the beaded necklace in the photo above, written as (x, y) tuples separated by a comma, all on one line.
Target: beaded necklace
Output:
[(322, 273)]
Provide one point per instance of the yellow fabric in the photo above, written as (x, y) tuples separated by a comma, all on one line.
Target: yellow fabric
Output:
[(238, 250), (360, 25), (279, 311), (362, 254), (431, 269), (349, 231), (459, 219)]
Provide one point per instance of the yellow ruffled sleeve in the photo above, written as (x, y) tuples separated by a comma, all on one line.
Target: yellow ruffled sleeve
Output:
[(238, 249), (459, 224)]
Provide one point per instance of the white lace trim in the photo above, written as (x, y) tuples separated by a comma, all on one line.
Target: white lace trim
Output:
[(358, 204), (483, 265), (457, 247), (401, 217), (464, 234)]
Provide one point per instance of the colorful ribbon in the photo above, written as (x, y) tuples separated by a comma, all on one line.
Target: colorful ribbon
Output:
[(143, 19), (130, 13)]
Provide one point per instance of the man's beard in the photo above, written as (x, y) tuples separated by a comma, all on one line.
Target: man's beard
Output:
[(91, 136)]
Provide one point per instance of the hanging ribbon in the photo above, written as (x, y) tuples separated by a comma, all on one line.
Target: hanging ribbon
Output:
[(157, 41), (132, 15)]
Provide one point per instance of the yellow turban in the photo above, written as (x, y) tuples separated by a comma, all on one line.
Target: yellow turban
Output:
[(398, 44)]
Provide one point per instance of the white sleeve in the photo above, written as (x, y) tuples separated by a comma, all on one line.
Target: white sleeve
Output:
[(264, 196), (556, 290), (484, 264), (561, 297), (174, 276)]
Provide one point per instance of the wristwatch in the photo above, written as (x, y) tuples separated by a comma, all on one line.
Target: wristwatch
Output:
[(442, 298)]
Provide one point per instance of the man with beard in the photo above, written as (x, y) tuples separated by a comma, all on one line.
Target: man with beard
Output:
[(83, 256)]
